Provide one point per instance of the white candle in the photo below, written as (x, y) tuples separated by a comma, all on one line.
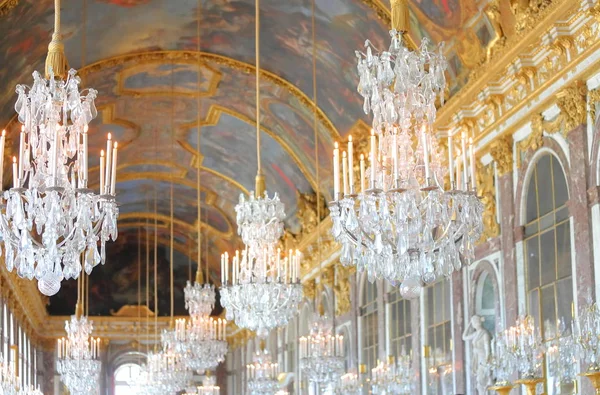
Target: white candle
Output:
[(373, 159), (473, 164), (2, 142), (55, 154), (451, 160), (85, 156), (362, 173), (336, 172), (458, 174), (113, 180), (351, 164), (21, 150), (425, 154), (345, 172), (108, 164), (15, 173), (465, 167), (395, 158), (102, 165)]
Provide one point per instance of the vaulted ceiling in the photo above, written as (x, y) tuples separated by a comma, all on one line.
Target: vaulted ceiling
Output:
[(141, 55)]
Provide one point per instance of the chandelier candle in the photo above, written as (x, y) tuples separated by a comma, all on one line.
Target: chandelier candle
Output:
[(322, 353), (262, 374)]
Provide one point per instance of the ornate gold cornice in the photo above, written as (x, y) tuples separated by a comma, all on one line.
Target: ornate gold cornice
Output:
[(504, 64), (25, 302), (6, 6)]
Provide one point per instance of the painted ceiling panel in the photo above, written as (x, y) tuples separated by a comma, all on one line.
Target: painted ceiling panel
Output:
[(141, 57)]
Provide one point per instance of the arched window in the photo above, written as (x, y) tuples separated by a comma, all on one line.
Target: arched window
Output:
[(485, 302), (368, 319), (399, 325), (548, 247), (123, 376)]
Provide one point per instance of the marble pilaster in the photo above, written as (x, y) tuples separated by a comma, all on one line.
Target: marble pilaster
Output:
[(580, 212)]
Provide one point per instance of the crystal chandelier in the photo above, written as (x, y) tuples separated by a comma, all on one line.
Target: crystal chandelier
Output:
[(264, 289), (209, 387), (200, 341), (525, 349), (50, 216), (9, 382), (399, 222), (262, 374), (500, 361), (322, 353), (164, 373), (204, 337), (78, 356), (394, 378), (349, 385), (260, 218), (199, 298), (587, 330)]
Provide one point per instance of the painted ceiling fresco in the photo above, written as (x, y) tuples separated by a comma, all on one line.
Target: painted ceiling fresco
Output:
[(155, 88)]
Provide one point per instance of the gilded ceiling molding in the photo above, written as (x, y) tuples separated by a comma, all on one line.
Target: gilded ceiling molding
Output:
[(194, 56), (127, 72), (6, 6), (180, 181), (180, 171), (547, 66), (498, 67), (25, 302), (212, 119), (189, 227)]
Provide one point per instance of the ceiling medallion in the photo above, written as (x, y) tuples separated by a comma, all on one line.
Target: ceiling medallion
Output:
[(397, 221), (50, 217)]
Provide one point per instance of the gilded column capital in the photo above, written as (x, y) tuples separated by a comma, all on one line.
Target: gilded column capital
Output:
[(594, 99), (502, 152), (572, 102)]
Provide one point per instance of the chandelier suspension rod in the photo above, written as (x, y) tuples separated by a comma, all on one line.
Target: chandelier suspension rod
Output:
[(260, 178), (155, 263), (198, 161), (171, 236), (147, 277), (139, 273), (56, 58)]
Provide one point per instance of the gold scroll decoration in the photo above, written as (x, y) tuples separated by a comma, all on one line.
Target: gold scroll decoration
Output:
[(486, 189), (502, 152)]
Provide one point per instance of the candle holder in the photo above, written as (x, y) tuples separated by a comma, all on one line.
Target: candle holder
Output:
[(529, 384), (594, 377), (524, 346), (502, 389)]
